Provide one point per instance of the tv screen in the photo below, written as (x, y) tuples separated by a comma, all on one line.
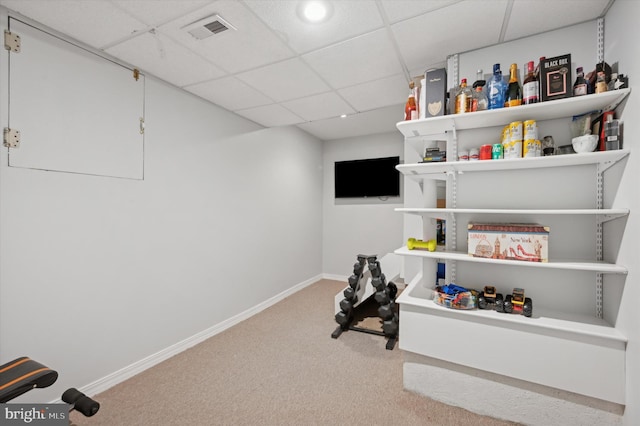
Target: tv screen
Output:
[(373, 177)]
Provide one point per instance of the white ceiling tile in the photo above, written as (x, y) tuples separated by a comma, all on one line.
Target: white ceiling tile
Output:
[(399, 10), (229, 93), (156, 12), (82, 20), (428, 39), (379, 93), (285, 80), (381, 120), (348, 19), (251, 46), (364, 58), (271, 115), (318, 107), (521, 25), (162, 57)]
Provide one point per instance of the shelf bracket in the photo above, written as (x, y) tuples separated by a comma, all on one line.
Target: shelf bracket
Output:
[(452, 227), (599, 242), (600, 40)]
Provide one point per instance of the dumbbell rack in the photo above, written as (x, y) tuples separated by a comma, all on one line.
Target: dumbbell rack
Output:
[(385, 296)]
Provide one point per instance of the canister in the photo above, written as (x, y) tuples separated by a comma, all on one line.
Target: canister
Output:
[(531, 148), (530, 130), (515, 131)]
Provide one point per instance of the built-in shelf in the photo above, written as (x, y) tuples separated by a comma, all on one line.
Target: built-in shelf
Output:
[(508, 344), (561, 322), (440, 170), (436, 127), (576, 265), (602, 215)]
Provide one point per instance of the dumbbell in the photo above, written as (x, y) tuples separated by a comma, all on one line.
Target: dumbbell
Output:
[(386, 311), (343, 319), (382, 297), (354, 280), (390, 327), (357, 268), (430, 245), (350, 294), (393, 290), (346, 305), (374, 267), (379, 283), (80, 402)]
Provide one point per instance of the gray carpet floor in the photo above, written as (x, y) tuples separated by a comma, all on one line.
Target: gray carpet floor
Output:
[(279, 367)]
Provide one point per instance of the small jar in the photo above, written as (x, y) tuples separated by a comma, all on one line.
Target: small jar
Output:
[(463, 156), (548, 146), (474, 154)]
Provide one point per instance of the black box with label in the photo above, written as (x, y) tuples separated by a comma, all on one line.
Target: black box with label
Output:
[(435, 92), (555, 78)]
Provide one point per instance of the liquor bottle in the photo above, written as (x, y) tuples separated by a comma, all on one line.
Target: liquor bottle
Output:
[(580, 87), (612, 82), (530, 87), (496, 88), (464, 98), (410, 109), (536, 73), (601, 82), (514, 91), (479, 100)]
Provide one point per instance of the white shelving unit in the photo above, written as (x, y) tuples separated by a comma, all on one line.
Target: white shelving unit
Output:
[(477, 338)]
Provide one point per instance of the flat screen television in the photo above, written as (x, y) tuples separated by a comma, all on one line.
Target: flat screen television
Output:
[(373, 177)]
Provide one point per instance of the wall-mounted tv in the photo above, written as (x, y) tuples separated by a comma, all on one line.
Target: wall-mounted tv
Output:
[(372, 177)]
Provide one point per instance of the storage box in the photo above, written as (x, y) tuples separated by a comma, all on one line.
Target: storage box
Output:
[(512, 241), (555, 78), (435, 92)]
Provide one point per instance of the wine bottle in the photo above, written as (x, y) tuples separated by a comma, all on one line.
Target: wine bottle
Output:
[(410, 109), (580, 87), (514, 91), (530, 88)]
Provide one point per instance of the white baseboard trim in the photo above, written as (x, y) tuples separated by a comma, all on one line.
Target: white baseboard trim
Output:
[(335, 277), (138, 367)]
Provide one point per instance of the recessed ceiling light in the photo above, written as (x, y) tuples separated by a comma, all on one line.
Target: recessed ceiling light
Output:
[(314, 11), (343, 116)]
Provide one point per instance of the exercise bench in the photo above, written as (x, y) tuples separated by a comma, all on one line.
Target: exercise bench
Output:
[(24, 374)]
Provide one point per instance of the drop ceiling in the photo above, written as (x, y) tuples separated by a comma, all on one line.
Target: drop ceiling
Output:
[(277, 70)]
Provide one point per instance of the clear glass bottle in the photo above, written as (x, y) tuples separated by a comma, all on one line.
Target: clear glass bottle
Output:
[(514, 91), (580, 87), (480, 101), (464, 98), (530, 89), (601, 82), (410, 108), (496, 88)]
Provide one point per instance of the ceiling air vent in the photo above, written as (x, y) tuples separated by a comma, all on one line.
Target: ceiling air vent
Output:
[(207, 27)]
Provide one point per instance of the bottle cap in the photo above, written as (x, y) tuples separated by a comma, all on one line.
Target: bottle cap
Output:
[(579, 70), (496, 67)]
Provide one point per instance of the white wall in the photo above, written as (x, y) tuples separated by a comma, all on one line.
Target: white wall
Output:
[(621, 36), (98, 273), (358, 226)]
